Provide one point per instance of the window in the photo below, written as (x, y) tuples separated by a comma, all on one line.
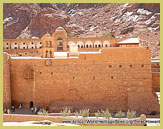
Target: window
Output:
[(142, 65), (23, 43), (120, 66), (99, 45), (130, 66), (106, 45), (23, 47), (32, 47), (111, 77), (40, 72), (110, 66), (78, 46), (32, 42), (73, 77), (6, 43), (15, 43)]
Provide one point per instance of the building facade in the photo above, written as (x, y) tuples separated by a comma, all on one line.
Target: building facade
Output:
[(94, 73)]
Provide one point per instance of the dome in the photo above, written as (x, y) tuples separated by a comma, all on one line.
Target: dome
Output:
[(60, 28)]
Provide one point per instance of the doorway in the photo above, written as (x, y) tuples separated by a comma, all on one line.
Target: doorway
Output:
[(31, 104)]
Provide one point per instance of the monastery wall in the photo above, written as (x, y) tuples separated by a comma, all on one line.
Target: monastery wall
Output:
[(6, 82), (117, 79), (156, 76)]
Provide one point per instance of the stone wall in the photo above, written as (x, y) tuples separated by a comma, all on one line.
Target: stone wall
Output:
[(117, 79), (156, 76), (6, 82)]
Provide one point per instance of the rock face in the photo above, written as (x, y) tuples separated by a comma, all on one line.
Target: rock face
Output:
[(17, 17), (47, 20), (85, 20)]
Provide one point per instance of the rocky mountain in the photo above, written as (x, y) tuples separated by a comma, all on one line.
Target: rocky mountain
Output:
[(85, 20)]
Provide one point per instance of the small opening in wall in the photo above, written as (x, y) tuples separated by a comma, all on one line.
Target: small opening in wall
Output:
[(23, 47), (51, 73), (32, 42), (110, 66), (111, 78), (23, 43), (40, 72), (94, 78), (142, 65), (15, 43), (130, 66), (73, 77), (6, 47), (6, 43), (120, 66), (32, 47), (31, 104), (106, 45)]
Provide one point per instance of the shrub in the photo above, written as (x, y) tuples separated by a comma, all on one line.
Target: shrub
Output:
[(120, 114), (106, 114), (85, 113), (131, 114), (153, 113), (77, 114), (98, 114), (65, 112), (70, 34), (107, 34), (42, 112)]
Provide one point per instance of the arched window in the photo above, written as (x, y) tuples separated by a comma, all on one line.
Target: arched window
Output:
[(59, 44)]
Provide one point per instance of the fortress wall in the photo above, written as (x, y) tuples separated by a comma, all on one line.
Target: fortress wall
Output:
[(156, 76), (117, 79), (156, 81), (6, 82)]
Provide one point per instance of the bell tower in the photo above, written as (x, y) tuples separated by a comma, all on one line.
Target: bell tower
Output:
[(48, 46), (60, 39)]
